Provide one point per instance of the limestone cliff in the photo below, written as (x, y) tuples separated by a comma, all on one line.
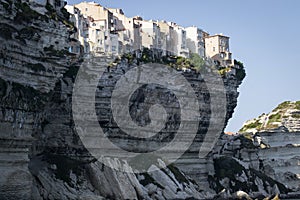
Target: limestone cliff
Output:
[(263, 159), (285, 117), (42, 156)]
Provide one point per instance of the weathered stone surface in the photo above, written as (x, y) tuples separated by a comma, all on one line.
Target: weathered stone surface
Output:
[(264, 160), (41, 154)]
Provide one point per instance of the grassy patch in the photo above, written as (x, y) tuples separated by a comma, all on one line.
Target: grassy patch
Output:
[(257, 125), (296, 115), (222, 71), (274, 118), (283, 105), (297, 105)]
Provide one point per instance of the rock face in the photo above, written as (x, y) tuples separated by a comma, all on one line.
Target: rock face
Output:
[(263, 159), (237, 164), (42, 156), (285, 118), (30, 67)]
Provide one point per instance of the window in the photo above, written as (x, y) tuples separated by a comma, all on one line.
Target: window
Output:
[(214, 48), (113, 48), (86, 9)]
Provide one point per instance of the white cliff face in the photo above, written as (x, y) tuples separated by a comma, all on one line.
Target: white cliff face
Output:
[(278, 137), (267, 151), (31, 63), (41, 154), (281, 156), (283, 118)]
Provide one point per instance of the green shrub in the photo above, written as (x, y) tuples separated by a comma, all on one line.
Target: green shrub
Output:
[(257, 125), (222, 71), (296, 115), (241, 72), (297, 105), (197, 62), (283, 105), (25, 13), (274, 118)]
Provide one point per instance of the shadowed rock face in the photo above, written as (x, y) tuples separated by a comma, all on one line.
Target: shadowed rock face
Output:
[(41, 154), (264, 159)]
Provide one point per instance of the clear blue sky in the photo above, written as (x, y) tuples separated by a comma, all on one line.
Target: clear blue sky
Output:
[(265, 36)]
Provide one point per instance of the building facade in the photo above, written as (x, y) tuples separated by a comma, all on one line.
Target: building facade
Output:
[(101, 37), (217, 48), (128, 30), (195, 40), (108, 31), (179, 39)]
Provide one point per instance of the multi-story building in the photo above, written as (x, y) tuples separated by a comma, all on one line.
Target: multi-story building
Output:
[(109, 31), (217, 48), (128, 30), (150, 33), (101, 27), (180, 45), (79, 21), (167, 38), (195, 40)]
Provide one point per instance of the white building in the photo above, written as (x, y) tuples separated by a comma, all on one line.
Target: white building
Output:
[(109, 31), (180, 43), (150, 33), (100, 35), (128, 30), (195, 40), (80, 22)]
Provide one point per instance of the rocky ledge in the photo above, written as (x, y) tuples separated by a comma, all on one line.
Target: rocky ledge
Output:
[(42, 156), (263, 159)]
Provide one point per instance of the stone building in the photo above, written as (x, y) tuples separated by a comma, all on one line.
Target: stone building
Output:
[(101, 26), (217, 48)]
